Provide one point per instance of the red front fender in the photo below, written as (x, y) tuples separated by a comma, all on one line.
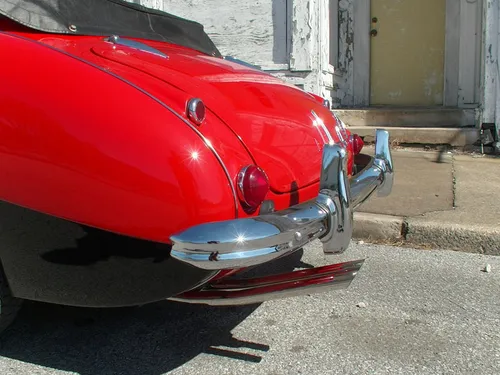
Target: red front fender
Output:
[(80, 144)]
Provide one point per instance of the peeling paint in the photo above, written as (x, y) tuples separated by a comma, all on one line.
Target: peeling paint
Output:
[(490, 90), (344, 79), (155, 4), (395, 94)]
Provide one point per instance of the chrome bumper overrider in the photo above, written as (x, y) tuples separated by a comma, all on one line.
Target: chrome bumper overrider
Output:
[(242, 243)]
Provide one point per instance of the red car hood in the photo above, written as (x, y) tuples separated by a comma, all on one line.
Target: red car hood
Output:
[(274, 120)]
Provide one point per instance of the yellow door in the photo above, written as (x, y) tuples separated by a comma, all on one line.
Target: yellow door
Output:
[(407, 52)]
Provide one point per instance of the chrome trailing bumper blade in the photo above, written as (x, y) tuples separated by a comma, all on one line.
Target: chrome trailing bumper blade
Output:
[(257, 290), (249, 242)]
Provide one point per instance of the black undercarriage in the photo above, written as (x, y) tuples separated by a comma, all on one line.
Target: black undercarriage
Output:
[(53, 260)]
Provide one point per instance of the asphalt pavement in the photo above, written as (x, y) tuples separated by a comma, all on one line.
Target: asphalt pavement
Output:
[(407, 312)]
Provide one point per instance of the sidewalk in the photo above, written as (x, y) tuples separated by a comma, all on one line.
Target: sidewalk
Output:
[(448, 201)]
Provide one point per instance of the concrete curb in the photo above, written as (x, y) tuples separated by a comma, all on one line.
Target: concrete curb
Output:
[(426, 233), (375, 227), (467, 238)]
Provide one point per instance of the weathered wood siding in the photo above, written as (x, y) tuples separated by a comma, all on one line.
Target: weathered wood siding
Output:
[(343, 78), (155, 4), (491, 61), (254, 31), (464, 25)]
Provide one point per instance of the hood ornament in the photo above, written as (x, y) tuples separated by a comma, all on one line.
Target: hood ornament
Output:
[(115, 39)]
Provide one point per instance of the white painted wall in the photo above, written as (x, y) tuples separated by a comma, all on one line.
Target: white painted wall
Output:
[(490, 111), (253, 31), (464, 24), (155, 4)]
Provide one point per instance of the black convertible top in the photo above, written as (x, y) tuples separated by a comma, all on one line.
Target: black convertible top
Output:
[(108, 17)]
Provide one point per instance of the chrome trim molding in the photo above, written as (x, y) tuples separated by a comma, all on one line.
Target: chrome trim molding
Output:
[(383, 159), (239, 183), (200, 135), (241, 62), (252, 241), (249, 291), (321, 125), (125, 42)]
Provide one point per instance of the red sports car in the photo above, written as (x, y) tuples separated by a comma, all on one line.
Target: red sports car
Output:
[(137, 164)]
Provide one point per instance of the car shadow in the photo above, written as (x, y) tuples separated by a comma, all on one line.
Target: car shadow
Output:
[(150, 340)]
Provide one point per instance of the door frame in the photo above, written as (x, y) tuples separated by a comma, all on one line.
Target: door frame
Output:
[(462, 81)]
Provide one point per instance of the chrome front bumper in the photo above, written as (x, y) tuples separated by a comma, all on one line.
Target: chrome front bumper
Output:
[(242, 243)]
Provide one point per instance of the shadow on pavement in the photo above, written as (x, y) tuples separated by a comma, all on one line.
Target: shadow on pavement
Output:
[(150, 340)]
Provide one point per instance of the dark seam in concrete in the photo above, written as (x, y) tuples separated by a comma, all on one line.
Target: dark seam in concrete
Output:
[(405, 227), (454, 181), (431, 212)]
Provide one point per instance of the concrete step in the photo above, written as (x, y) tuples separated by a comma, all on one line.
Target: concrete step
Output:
[(422, 117), (456, 137)]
